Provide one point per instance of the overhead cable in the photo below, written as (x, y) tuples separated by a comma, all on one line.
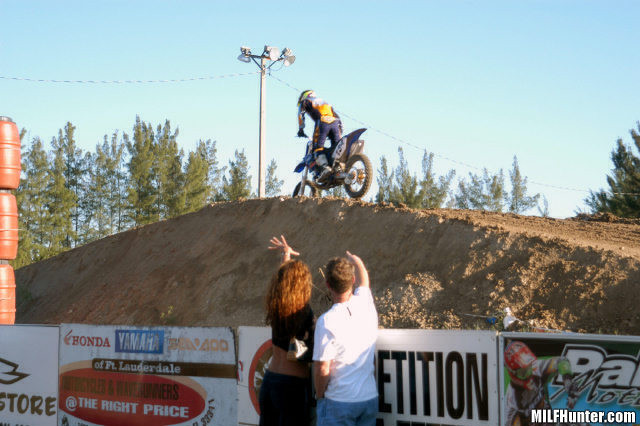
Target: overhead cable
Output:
[(177, 80), (470, 166)]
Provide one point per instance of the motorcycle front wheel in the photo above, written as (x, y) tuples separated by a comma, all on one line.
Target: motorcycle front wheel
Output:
[(359, 175), (309, 191)]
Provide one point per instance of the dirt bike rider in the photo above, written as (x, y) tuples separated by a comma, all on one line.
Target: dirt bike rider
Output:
[(327, 124), (529, 375)]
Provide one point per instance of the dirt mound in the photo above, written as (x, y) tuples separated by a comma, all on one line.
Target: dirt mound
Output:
[(429, 268)]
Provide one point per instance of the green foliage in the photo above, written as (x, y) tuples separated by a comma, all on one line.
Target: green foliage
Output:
[(60, 200), (517, 199), (273, 185), (481, 192), (338, 192), (385, 181), (196, 188), (433, 192), (405, 185), (67, 197), (142, 196), (238, 185), (32, 205), (623, 197), (400, 186)]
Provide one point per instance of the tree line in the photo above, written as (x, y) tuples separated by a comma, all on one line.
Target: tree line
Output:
[(485, 191), (68, 197)]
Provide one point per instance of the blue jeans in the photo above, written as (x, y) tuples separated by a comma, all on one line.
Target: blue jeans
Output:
[(335, 413)]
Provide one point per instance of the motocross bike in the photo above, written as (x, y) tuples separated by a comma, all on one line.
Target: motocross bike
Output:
[(349, 167)]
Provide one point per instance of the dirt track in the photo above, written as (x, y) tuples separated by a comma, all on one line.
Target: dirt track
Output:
[(428, 268)]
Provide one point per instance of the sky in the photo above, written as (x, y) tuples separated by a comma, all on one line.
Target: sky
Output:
[(554, 82)]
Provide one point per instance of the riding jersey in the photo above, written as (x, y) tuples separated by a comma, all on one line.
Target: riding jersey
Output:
[(318, 109), (520, 401)]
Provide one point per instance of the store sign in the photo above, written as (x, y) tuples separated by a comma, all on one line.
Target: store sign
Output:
[(28, 376), (142, 378), (573, 373)]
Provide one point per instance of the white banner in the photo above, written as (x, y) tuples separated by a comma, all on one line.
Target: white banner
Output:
[(437, 376), (254, 355), (128, 375), (28, 375), (457, 387)]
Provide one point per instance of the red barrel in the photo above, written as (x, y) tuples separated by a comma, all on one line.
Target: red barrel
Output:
[(8, 226), (7, 295), (9, 154)]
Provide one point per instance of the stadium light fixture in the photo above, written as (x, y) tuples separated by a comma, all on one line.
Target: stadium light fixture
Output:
[(272, 54)]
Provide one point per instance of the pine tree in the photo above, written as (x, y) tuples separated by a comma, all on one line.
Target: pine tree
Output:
[(74, 170), (60, 201), (482, 192), (518, 200), (239, 183), (623, 197), (215, 173), (92, 203), (405, 185), (273, 185), (196, 187), (433, 194), (385, 182), (117, 182), (142, 193), (167, 167), (32, 210)]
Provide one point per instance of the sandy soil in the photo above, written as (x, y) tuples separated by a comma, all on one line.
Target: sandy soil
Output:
[(429, 268)]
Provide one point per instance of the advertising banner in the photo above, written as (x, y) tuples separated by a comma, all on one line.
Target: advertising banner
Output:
[(569, 378), (28, 375), (128, 375), (444, 377), (254, 355)]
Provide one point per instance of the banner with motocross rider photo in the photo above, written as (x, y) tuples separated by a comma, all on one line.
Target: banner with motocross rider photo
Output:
[(129, 375), (566, 378)]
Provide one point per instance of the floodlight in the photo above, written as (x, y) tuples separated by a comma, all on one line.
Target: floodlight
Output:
[(244, 58), (272, 52), (245, 50), (288, 60)]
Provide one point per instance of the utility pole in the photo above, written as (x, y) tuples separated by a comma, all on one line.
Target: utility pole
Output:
[(272, 54)]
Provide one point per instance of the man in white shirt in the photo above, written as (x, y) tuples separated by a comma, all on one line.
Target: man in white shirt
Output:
[(344, 350)]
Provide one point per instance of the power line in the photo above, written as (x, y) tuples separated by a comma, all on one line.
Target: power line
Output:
[(470, 166), (177, 80)]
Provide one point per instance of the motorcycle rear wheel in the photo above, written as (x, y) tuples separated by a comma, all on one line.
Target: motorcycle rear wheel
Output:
[(312, 190), (360, 166)]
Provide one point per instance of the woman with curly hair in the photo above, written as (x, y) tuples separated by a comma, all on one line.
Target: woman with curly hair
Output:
[(285, 394)]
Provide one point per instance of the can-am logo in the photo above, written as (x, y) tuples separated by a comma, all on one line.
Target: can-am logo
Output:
[(96, 341), (8, 373), (608, 377), (140, 341)]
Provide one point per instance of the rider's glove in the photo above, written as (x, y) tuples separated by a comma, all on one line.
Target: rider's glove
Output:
[(302, 134)]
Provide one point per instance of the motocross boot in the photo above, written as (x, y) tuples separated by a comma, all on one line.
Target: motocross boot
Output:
[(323, 169)]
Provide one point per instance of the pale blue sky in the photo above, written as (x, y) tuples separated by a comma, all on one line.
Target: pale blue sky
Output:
[(553, 82)]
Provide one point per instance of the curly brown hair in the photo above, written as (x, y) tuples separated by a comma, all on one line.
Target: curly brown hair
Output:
[(288, 297)]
